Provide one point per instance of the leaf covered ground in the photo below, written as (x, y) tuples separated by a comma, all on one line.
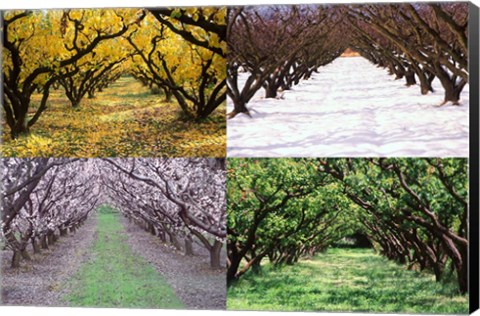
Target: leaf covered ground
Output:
[(125, 120), (345, 280)]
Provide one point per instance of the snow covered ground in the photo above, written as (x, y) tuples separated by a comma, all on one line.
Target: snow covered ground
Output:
[(350, 109)]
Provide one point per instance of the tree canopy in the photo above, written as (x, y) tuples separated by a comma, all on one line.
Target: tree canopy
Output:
[(413, 211), (277, 46)]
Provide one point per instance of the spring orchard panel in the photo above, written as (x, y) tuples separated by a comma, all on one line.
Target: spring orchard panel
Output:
[(71, 226)]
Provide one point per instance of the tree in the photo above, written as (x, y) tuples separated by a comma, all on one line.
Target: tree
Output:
[(193, 74), (40, 196), (276, 209), (38, 47), (432, 37), (94, 72), (267, 43), (188, 197), (412, 211)]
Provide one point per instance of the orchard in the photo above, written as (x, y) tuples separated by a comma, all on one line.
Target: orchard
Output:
[(278, 46), (75, 53), (113, 225), (288, 212)]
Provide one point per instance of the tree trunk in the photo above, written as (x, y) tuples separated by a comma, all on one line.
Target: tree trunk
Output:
[(168, 95), (20, 128), (239, 106), (50, 238), (162, 236), (450, 85), (463, 271), (35, 246), (75, 103), (174, 241), (410, 78), (25, 255), (233, 267), (256, 268), (152, 230), (452, 93), (437, 270), (43, 242), (270, 90), (15, 263), (425, 84), (188, 247), (215, 255)]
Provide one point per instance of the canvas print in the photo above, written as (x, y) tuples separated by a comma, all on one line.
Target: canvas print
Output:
[(383, 235), (359, 80), (114, 82), (275, 157), (131, 233)]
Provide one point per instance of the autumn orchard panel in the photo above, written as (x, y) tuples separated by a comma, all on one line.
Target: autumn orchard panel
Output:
[(151, 81)]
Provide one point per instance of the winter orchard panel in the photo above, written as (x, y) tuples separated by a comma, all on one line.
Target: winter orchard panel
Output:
[(183, 199), (413, 211), (280, 45), (277, 46), (86, 50)]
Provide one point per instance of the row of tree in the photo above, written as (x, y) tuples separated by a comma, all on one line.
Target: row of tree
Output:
[(280, 45), (277, 46), (175, 199), (43, 199), (180, 50), (414, 211), (416, 42)]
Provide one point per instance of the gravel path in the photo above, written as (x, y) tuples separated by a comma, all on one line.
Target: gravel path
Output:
[(42, 281), (191, 278)]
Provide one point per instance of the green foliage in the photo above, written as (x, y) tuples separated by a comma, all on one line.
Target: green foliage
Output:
[(345, 280), (282, 209), (413, 211), (115, 277)]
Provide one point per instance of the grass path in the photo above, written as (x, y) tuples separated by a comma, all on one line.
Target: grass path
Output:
[(345, 280), (114, 277)]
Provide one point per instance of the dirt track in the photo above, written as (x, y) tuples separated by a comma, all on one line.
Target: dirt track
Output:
[(44, 281)]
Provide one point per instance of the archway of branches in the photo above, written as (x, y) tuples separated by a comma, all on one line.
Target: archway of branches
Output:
[(83, 51), (182, 201), (279, 46), (411, 211)]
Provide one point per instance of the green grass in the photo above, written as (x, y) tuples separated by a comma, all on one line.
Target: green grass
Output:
[(345, 280), (114, 277)]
